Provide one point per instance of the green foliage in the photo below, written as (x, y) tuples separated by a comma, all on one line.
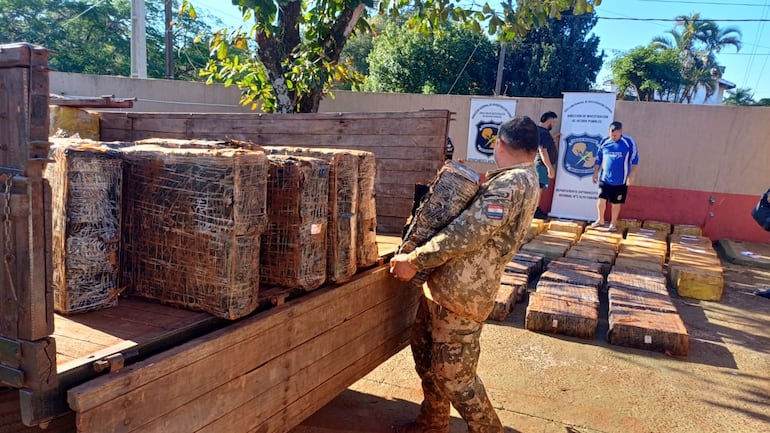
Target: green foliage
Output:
[(95, 37), (696, 42), (739, 96), (456, 60), (558, 57), (648, 71), (286, 56)]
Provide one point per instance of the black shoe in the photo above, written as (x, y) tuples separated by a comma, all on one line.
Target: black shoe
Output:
[(539, 214), (763, 293)]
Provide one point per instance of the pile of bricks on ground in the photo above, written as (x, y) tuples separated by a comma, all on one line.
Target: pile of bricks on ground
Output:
[(632, 265)]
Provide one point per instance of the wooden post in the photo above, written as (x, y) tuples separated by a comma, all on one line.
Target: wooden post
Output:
[(28, 355)]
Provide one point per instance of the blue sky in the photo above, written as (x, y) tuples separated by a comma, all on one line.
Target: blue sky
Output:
[(748, 68)]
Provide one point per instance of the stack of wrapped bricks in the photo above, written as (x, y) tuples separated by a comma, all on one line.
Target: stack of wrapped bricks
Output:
[(643, 248), (641, 312), (363, 217), (554, 242), (566, 300), (694, 267), (203, 224), (192, 224), (86, 186)]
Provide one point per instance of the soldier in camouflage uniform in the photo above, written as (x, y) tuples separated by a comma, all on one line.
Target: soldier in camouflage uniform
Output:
[(468, 258)]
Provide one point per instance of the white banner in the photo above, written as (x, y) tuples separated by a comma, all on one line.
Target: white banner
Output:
[(585, 121), (486, 116)]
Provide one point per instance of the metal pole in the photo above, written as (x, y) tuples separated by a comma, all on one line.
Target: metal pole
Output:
[(138, 40), (169, 43), (500, 65)]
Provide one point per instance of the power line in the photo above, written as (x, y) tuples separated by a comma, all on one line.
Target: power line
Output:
[(704, 3), (729, 20), (765, 11)]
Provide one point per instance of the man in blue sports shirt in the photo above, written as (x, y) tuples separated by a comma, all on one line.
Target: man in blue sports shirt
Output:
[(614, 170)]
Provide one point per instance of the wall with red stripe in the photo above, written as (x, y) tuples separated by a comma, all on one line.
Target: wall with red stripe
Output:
[(704, 165)]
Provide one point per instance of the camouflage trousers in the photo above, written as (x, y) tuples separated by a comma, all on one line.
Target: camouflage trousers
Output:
[(446, 353)]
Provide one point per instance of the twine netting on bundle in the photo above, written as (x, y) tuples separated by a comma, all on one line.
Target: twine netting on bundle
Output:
[(192, 225), (450, 192)]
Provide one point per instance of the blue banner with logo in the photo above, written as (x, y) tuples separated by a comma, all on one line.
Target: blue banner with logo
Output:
[(585, 121), (486, 116)]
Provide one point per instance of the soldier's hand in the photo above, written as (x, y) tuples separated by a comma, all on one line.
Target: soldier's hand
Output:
[(402, 269)]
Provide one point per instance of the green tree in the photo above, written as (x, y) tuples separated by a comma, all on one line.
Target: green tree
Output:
[(697, 41), (456, 60), (286, 57), (559, 56), (95, 37), (190, 54), (648, 72), (84, 37), (739, 96)]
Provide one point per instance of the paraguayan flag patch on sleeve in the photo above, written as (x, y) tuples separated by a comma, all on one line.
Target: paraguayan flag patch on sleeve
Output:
[(494, 211)]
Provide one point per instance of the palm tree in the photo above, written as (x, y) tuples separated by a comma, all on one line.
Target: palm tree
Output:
[(697, 43), (739, 96)]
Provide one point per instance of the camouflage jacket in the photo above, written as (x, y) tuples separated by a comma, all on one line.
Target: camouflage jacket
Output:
[(469, 255)]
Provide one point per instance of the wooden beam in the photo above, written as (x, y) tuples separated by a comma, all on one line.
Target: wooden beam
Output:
[(12, 377), (10, 352)]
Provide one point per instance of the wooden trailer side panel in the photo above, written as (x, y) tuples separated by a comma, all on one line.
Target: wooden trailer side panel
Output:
[(408, 146), (268, 371)]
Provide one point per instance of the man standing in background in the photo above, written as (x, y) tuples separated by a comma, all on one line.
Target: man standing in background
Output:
[(547, 154), (616, 162)]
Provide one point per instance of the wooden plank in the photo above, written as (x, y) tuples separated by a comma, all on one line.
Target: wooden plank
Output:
[(39, 121), (276, 382), (36, 321), (314, 400), (38, 362), (10, 417), (10, 376), (228, 340), (271, 127), (14, 112), (16, 275), (22, 54), (10, 352)]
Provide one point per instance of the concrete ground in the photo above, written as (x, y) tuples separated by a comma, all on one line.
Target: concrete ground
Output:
[(549, 383)]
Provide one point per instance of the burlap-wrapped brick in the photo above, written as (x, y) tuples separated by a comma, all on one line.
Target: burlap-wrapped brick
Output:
[(366, 250), (85, 180), (294, 242), (341, 238), (192, 225), (450, 192)]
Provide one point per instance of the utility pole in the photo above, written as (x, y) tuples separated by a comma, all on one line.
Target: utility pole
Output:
[(169, 43), (138, 40), (500, 67)]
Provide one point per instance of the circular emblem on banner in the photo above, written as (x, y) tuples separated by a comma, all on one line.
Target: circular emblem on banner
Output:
[(486, 133), (580, 155)]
